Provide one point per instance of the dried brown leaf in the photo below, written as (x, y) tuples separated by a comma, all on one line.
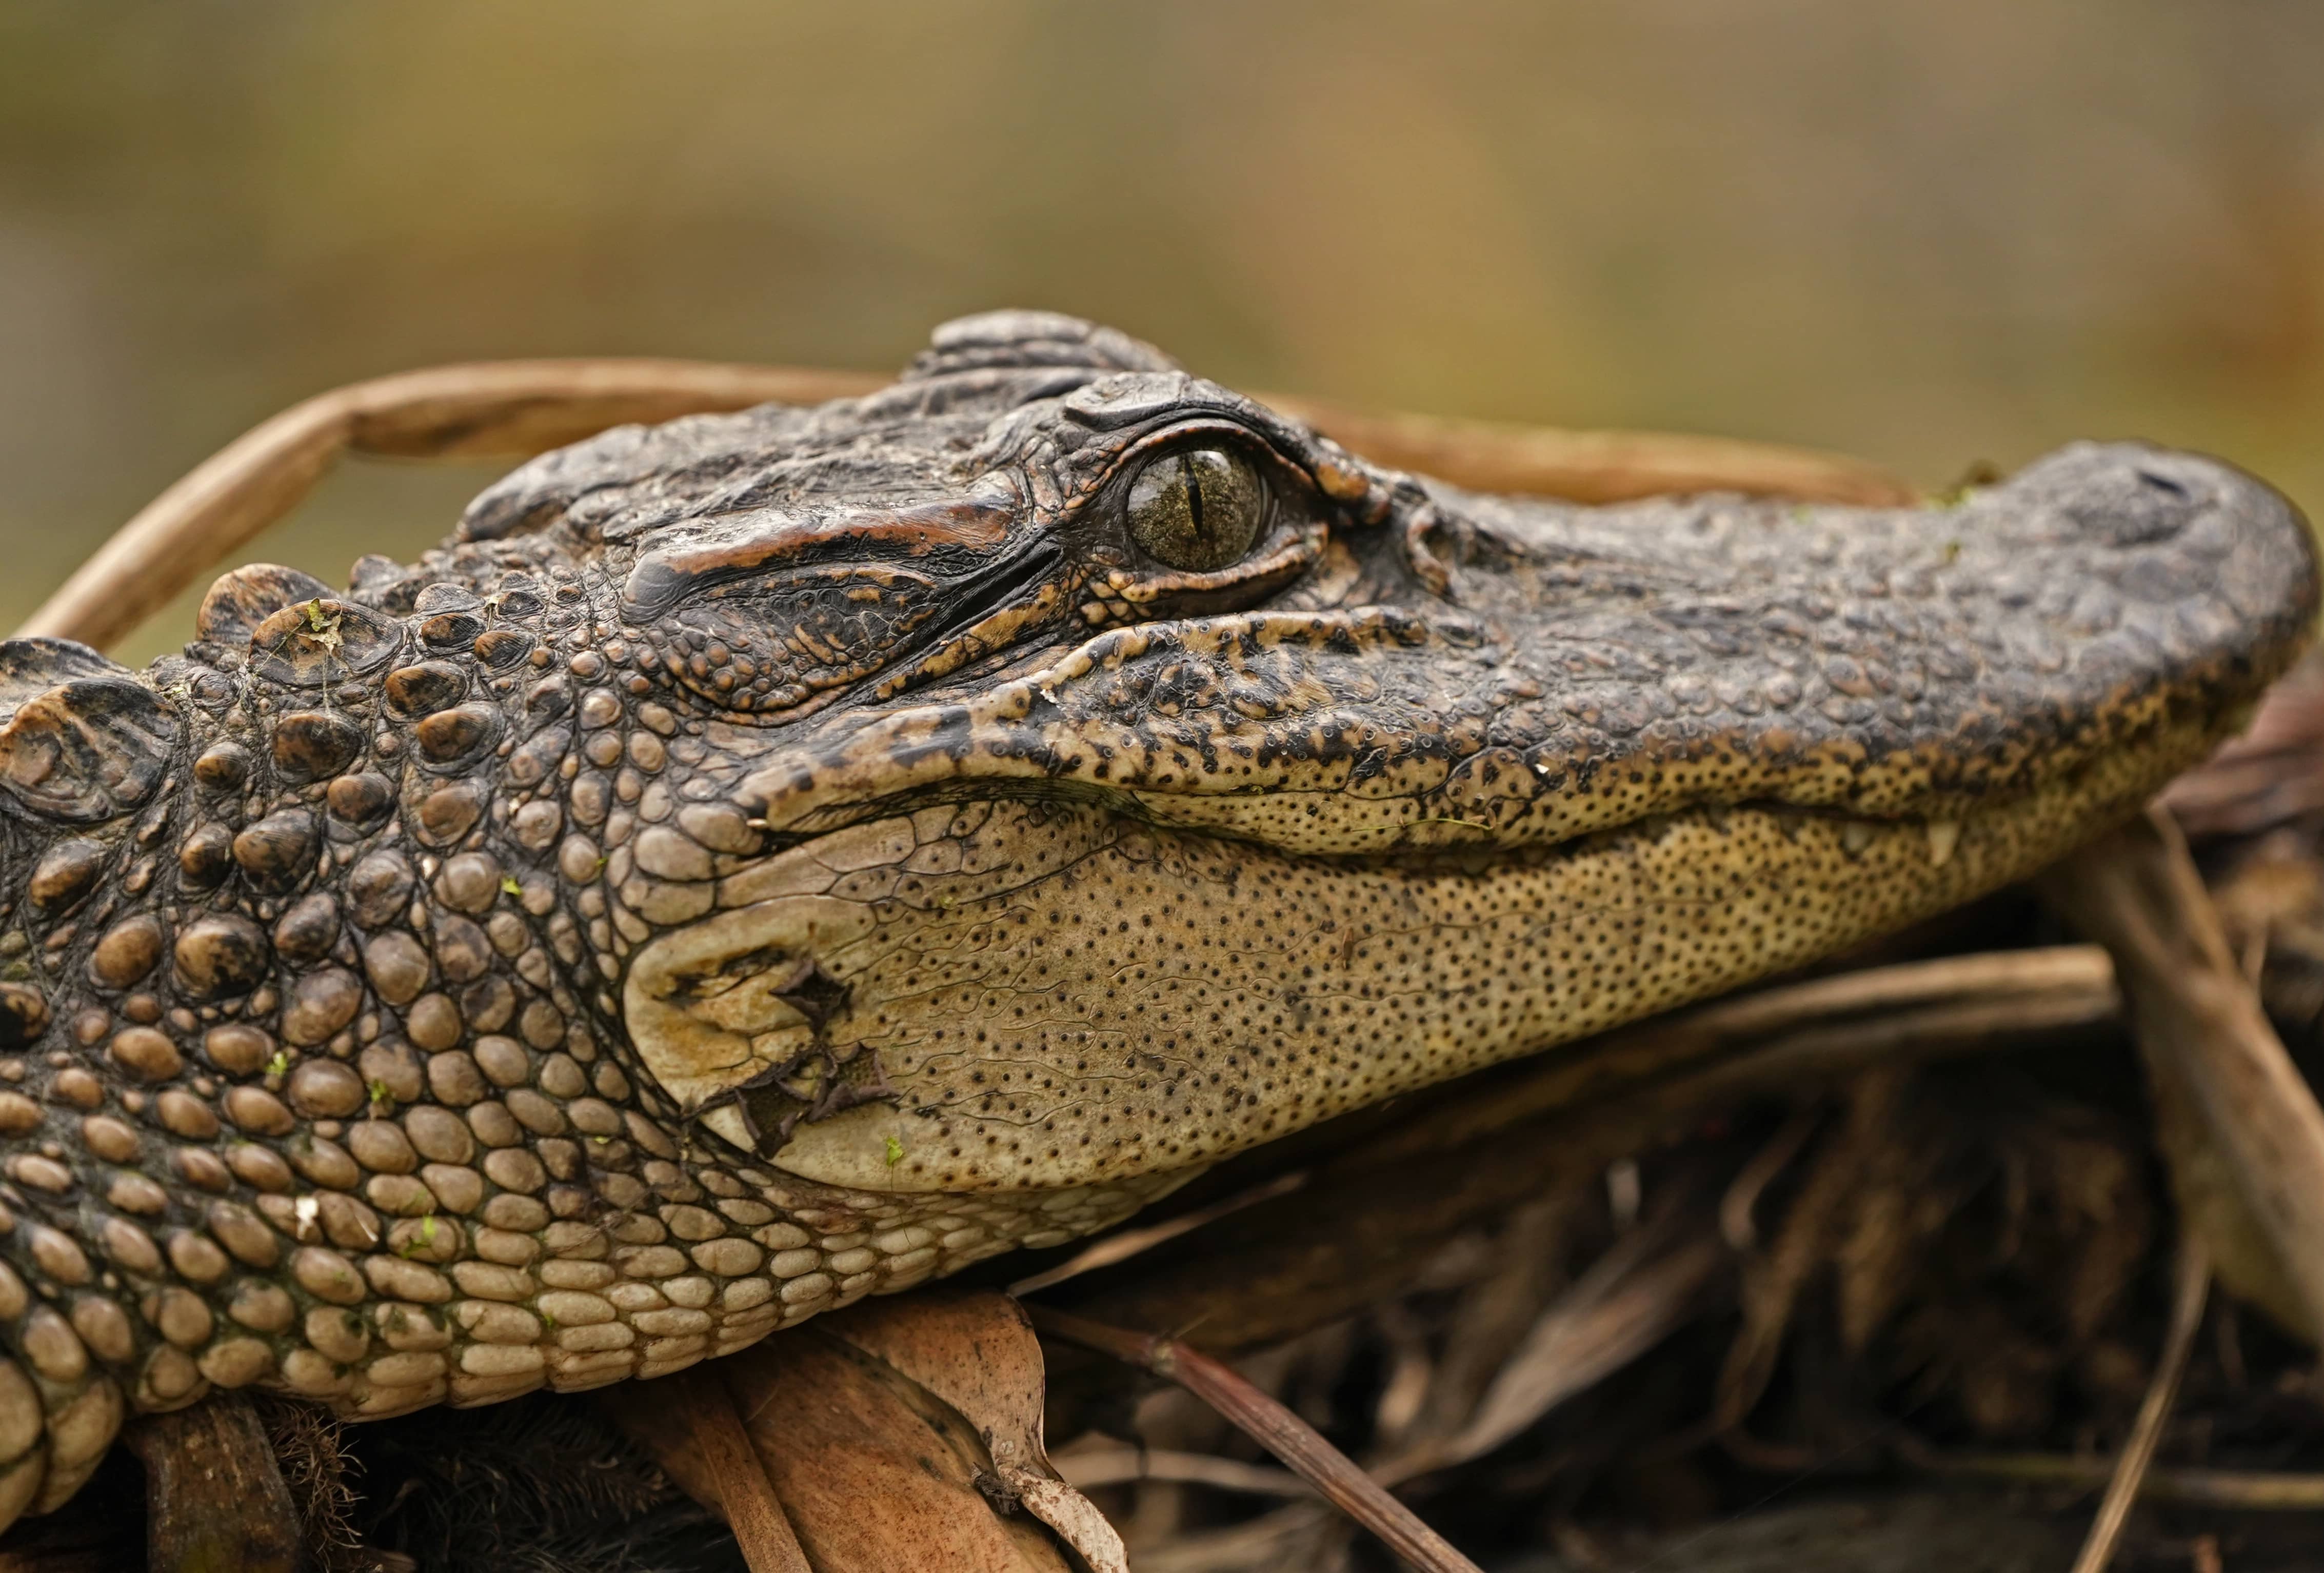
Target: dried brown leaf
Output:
[(978, 1353), (874, 1471)]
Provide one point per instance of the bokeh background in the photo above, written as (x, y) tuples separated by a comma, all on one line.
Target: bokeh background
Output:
[(1931, 234)]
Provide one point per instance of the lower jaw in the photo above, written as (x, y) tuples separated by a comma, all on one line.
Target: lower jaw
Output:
[(1158, 1000)]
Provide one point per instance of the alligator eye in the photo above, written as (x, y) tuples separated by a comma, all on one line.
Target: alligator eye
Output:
[(1197, 509)]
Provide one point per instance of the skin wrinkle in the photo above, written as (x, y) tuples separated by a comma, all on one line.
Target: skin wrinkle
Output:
[(1494, 774)]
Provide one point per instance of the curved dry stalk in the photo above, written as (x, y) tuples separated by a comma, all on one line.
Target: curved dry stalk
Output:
[(1275, 1428), (2190, 1285), (516, 408), (506, 409), (1595, 467), (1636, 1297), (2242, 1490), (1091, 1467), (1124, 1243), (747, 1497), (2212, 1053)]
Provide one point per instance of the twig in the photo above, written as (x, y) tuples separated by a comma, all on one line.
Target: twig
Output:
[(1602, 1324), (508, 409), (747, 1496), (1091, 1467), (1274, 1428), (1736, 1225), (1124, 1244), (1595, 467), (2192, 1281), (2200, 1025), (213, 1493), (515, 408), (2245, 1490)]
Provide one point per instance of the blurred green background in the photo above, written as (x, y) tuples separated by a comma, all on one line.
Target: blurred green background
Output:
[(1930, 234)]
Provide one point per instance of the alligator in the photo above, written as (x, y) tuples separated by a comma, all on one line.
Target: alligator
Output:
[(774, 858)]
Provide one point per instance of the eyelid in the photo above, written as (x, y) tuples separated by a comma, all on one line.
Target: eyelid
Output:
[(666, 576), (1273, 464)]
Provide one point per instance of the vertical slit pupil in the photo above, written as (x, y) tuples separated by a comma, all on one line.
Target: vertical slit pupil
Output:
[(1198, 508), (1193, 478)]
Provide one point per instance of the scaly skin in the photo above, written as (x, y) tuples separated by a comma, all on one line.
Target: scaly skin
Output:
[(778, 857)]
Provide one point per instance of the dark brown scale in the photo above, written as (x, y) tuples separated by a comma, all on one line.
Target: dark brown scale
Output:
[(502, 648), (319, 1003), (279, 850), (488, 1003), (361, 799), (449, 631), (24, 1015), (206, 856), (325, 1088), (451, 736), (307, 931), (313, 745), (426, 688), (125, 952), (322, 640), (450, 812), (379, 889), (470, 882), (224, 954), (145, 1054), (238, 1049), (64, 874), (397, 965), (223, 767)]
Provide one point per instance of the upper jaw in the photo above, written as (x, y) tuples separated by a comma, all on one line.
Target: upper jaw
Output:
[(1589, 667)]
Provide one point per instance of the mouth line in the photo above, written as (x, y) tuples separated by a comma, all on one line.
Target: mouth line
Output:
[(1942, 826)]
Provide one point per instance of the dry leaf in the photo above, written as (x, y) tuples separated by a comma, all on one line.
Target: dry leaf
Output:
[(888, 1432), (875, 1473), (977, 1353)]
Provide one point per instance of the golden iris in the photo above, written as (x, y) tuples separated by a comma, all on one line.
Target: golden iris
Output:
[(1197, 509)]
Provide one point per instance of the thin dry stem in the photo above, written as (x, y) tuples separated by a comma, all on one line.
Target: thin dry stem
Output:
[(2248, 1490), (1087, 1468), (496, 410), (515, 408), (1124, 1244), (2200, 1024), (745, 1494), (1595, 467), (1604, 1322), (1275, 1428), (2192, 1281)]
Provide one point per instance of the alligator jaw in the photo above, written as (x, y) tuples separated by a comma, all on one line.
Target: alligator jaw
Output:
[(1053, 995)]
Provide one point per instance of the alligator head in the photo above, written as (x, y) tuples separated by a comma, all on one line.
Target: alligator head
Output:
[(773, 858)]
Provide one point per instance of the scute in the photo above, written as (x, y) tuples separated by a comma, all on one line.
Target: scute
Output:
[(86, 751), (33, 666), (237, 602), (1018, 340)]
